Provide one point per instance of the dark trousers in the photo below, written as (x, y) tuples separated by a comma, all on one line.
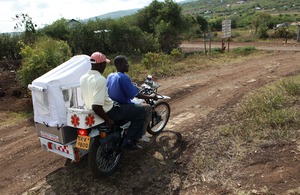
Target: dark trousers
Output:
[(131, 112)]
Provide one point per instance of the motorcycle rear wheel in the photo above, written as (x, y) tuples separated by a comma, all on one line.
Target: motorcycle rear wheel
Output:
[(160, 117), (103, 159)]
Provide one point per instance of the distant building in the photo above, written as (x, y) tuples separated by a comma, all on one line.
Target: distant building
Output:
[(285, 24), (72, 22)]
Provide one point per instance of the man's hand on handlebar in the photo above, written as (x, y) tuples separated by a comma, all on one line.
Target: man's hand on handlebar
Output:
[(153, 96), (144, 96)]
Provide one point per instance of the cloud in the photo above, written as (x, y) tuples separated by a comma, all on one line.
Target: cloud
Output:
[(47, 11), (42, 5), (20, 6)]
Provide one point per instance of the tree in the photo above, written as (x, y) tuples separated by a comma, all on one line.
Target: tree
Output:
[(167, 36), (58, 30), (202, 22), (84, 39), (9, 47), (44, 55), (147, 18), (164, 20), (262, 22), (215, 24), (24, 20)]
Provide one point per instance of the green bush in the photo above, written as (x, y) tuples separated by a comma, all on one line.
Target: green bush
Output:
[(152, 60), (235, 34), (41, 57), (9, 47), (285, 33), (244, 50), (176, 54)]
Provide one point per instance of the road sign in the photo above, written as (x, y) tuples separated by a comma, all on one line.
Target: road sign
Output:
[(226, 29), (208, 36)]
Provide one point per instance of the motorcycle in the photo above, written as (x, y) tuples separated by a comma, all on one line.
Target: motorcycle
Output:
[(65, 128), (105, 152)]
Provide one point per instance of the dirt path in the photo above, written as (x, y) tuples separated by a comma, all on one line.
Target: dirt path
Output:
[(271, 46), (163, 167)]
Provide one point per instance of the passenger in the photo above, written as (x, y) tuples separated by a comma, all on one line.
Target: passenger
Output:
[(121, 90), (95, 96)]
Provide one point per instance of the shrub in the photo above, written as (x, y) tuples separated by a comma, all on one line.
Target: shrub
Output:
[(284, 33), (176, 54), (244, 50), (41, 57), (9, 47), (152, 60)]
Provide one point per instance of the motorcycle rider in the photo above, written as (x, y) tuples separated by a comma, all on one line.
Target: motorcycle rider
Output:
[(121, 90), (95, 96)]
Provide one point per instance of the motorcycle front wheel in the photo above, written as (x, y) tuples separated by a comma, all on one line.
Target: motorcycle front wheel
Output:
[(103, 159), (160, 117)]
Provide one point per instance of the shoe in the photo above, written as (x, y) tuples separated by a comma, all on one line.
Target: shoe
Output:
[(131, 145), (144, 138)]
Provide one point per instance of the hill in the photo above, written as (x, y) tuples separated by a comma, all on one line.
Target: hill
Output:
[(114, 15), (228, 7), (212, 8)]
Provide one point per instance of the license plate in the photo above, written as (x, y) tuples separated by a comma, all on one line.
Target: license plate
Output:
[(83, 142)]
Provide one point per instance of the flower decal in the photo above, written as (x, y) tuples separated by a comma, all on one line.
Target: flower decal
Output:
[(75, 120), (89, 120)]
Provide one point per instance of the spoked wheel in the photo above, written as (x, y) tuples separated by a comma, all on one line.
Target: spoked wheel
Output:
[(160, 117), (103, 159)]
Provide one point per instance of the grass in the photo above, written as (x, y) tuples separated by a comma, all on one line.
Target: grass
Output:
[(8, 118), (271, 113), (244, 50), (268, 115)]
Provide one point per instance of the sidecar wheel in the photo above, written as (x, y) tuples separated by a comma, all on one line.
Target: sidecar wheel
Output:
[(160, 118), (103, 159)]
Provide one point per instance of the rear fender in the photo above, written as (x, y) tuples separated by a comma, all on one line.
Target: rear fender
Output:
[(94, 133)]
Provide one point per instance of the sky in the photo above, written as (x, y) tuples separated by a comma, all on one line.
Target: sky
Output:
[(45, 12)]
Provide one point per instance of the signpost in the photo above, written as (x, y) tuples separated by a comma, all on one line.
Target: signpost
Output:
[(226, 33), (207, 37)]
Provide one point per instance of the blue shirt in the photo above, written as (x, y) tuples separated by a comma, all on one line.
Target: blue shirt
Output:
[(120, 88)]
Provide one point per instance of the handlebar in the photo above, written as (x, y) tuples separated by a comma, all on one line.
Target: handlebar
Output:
[(149, 89), (159, 96)]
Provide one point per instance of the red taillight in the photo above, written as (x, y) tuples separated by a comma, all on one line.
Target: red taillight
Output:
[(49, 145), (82, 132)]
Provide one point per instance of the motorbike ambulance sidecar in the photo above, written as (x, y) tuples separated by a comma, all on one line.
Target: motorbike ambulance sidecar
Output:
[(58, 107)]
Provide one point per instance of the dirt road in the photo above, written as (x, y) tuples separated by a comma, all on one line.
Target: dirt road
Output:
[(271, 46), (199, 101)]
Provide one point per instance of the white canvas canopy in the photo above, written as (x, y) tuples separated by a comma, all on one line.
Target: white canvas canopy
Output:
[(58, 89)]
